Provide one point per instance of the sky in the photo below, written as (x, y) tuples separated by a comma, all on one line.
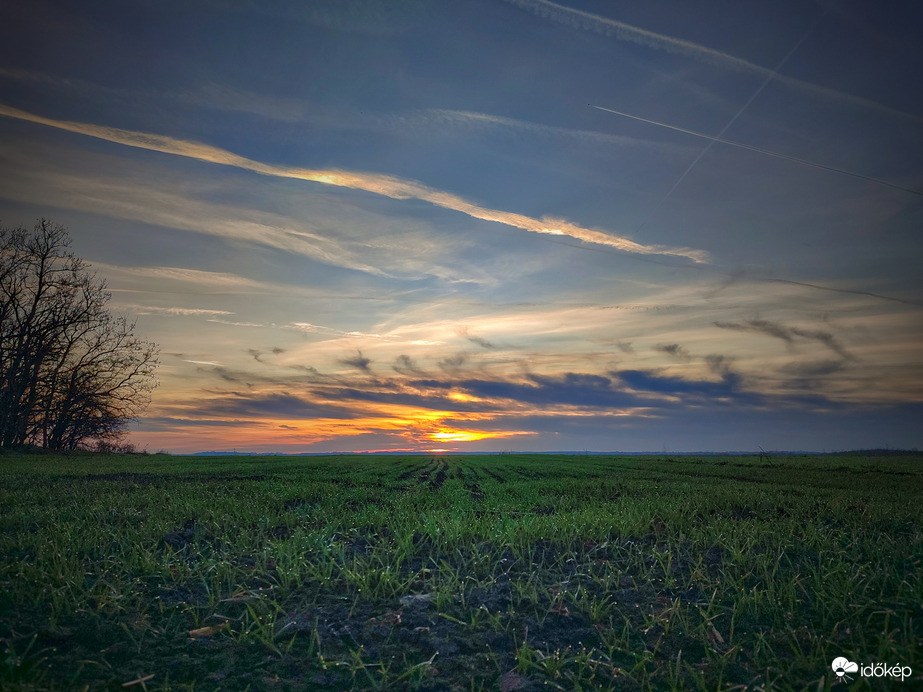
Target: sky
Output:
[(376, 225)]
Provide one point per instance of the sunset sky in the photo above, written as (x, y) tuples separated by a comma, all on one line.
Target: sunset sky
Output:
[(490, 224)]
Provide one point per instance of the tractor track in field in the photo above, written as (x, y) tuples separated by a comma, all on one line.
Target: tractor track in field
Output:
[(407, 475), (423, 475), (441, 475), (496, 476)]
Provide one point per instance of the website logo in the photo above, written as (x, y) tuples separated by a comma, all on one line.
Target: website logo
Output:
[(843, 668)]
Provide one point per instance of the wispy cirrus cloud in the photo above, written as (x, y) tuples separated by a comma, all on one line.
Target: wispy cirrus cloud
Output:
[(621, 31), (159, 203), (210, 94), (236, 324), (206, 279), (173, 310), (375, 183), (216, 283)]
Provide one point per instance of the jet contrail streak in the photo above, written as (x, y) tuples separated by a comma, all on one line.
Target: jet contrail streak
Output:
[(915, 303), (621, 31), (737, 115), (767, 152)]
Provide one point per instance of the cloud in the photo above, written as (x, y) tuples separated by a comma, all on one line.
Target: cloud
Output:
[(318, 328), (762, 326), (484, 121), (218, 280), (271, 405), (587, 21), (767, 152), (643, 381), (571, 389), (718, 364), (236, 324), (208, 95), (226, 98), (359, 362), (151, 310), (414, 399), (387, 186), (256, 354), (453, 363), (814, 368), (168, 422), (674, 350), (788, 334), (405, 365), (826, 338), (483, 343), (224, 374)]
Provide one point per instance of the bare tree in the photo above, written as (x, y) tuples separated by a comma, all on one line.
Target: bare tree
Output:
[(70, 371)]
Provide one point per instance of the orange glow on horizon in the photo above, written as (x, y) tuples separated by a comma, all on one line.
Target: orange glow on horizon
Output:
[(410, 428), (458, 436)]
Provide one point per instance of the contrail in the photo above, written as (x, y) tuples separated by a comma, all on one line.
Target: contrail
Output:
[(376, 183), (915, 303), (767, 152), (587, 21), (740, 112)]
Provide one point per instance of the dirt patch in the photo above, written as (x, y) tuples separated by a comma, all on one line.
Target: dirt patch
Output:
[(496, 597), (183, 537), (182, 595), (474, 490)]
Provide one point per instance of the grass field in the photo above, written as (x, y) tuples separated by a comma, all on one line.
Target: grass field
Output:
[(514, 572)]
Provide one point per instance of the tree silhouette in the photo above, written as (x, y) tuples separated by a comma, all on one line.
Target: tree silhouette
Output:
[(71, 373)]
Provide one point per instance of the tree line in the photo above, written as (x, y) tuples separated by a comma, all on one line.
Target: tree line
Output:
[(72, 374)]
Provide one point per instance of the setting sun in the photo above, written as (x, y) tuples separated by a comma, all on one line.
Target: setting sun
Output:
[(458, 436)]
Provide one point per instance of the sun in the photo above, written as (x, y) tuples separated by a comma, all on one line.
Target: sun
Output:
[(457, 436)]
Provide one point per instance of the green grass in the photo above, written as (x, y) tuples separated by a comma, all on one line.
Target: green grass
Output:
[(458, 573)]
